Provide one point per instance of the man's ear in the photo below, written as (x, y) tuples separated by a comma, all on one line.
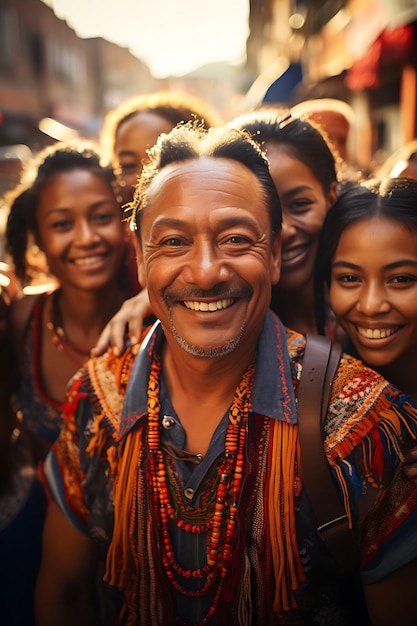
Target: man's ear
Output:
[(275, 261), (139, 260)]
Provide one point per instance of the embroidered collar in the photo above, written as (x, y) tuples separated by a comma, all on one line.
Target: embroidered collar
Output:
[(273, 393)]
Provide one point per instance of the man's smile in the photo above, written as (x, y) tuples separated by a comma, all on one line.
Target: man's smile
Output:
[(215, 305)]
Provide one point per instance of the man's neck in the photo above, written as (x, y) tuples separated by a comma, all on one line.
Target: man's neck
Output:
[(201, 390)]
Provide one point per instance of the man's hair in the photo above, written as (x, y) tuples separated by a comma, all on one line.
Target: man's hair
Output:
[(192, 141)]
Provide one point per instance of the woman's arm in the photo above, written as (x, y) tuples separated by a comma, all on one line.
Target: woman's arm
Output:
[(393, 600), (67, 577)]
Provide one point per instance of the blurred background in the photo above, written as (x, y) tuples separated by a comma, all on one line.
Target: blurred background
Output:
[(65, 64)]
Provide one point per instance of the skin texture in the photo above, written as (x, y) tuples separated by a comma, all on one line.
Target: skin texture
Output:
[(374, 291), (134, 137)]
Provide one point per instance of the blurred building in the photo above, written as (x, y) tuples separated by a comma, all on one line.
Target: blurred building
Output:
[(360, 51), (53, 83)]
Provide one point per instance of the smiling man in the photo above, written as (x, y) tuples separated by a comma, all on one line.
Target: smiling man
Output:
[(181, 463)]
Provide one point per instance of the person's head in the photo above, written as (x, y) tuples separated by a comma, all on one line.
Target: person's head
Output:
[(69, 210), (304, 171), (133, 127), (368, 259), (208, 222), (402, 163), (335, 118)]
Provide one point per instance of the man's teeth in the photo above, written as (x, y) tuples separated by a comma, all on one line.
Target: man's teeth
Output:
[(88, 260), (376, 333), (208, 306)]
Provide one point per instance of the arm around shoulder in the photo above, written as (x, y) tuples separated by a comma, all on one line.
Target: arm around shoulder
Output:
[(66, 581)]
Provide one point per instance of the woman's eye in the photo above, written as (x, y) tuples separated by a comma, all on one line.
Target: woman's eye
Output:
[(126, 168), (347, 278), (104, 218), (301, 205), (61, 225), (403, 279)]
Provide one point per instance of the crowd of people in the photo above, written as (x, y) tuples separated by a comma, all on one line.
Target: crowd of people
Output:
[(151, 465)]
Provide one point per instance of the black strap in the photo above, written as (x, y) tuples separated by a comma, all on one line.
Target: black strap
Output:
[(320, 363)]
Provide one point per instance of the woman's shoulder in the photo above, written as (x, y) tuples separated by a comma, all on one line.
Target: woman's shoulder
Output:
[(364, 402), (21, 312)]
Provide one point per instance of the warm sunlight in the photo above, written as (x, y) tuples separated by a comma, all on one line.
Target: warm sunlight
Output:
[(173, 38)]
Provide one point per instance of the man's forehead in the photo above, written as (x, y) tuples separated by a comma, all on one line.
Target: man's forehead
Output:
[(218, 169)]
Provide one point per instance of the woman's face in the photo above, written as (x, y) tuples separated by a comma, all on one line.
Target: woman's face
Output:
[(134, 137), (80, 230), (373, 290), (304, 207)]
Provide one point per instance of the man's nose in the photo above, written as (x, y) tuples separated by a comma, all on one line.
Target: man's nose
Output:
[(206, 265)]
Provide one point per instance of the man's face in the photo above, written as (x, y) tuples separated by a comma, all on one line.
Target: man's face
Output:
[(207, 257)]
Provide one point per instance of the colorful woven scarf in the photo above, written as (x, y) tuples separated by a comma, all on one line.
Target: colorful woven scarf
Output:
[(262, 568)]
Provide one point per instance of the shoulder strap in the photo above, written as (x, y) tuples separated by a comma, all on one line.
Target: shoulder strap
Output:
[(320, 363)]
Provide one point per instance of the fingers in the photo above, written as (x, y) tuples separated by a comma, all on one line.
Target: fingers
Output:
[(103, 342), (131, 314)]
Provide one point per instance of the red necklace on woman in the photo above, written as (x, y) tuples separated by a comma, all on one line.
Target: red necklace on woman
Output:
[(59, 338), (217, 517)]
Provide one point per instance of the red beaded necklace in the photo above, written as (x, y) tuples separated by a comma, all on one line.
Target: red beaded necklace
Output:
[(218, 515), (59, 338)]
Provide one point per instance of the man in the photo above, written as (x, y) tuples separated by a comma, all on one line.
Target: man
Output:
[(182, 462)]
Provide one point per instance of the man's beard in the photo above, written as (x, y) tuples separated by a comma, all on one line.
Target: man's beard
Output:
[(208, 353)]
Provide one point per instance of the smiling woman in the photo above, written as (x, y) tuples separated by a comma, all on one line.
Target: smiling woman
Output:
[(70, 211), (368, 258)]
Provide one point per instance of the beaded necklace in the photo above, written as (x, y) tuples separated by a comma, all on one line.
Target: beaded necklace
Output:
[(59, 338), (218, 515)]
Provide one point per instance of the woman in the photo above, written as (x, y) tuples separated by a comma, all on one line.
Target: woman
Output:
[(367, 258), (70, 211), (133, 127), (304, 171)]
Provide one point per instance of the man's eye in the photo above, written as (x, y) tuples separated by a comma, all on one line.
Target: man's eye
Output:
[(173, 242), (238, 239)]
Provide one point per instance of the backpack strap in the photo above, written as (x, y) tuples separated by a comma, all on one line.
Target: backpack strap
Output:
[(321, 359)]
